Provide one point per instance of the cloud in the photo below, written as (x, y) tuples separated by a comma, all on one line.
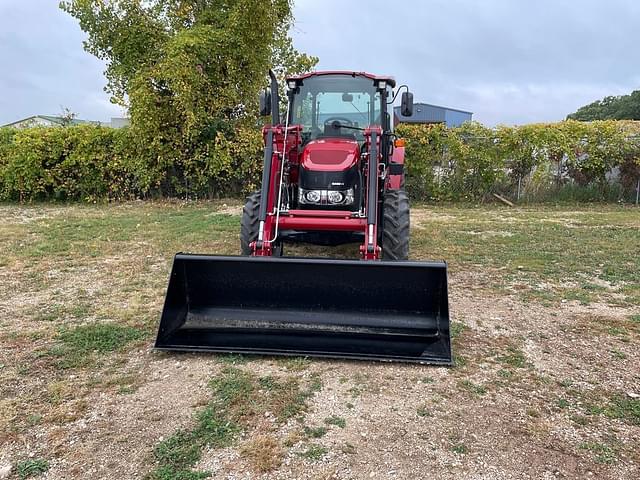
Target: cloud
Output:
[(508, 62), (44, 66)]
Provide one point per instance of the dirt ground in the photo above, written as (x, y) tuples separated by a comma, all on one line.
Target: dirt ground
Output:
[(542, 388)]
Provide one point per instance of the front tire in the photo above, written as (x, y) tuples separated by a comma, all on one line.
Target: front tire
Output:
[(249, 223), (395, 225), (249, 226)]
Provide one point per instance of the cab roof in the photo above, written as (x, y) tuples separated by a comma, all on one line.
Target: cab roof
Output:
[(390, 80)]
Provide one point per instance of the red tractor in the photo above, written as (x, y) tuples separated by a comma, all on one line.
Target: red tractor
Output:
[(337, 131), (333, 173)]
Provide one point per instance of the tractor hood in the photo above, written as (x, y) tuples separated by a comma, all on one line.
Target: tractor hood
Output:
[(330, 154)]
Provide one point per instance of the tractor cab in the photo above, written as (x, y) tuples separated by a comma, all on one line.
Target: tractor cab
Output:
[(334, 111), (338, 104)]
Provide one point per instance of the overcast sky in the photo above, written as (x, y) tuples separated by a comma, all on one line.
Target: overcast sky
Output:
[(507, 61)]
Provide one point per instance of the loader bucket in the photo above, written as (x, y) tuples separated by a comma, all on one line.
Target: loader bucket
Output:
[(297, 306)]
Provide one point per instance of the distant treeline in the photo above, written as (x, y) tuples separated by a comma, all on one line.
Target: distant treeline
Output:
[(622, 107)]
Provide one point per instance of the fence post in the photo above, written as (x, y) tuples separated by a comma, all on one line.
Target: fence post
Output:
[(638, 191)]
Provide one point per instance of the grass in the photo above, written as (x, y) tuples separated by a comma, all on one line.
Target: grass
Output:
[(424, 411), (314, 452), (263, 453), (602, 452), (31, 468), (536, 249), (78, 345), (315, 432), (97, 276), (514, 357), (476, 389), (238, 399), (335, 420)]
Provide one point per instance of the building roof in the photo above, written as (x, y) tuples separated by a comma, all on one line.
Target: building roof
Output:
[(53, 119), (428, 113), (443, 108)]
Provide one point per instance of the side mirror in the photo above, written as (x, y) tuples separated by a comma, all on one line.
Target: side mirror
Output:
[(406, 106), (265, 103)]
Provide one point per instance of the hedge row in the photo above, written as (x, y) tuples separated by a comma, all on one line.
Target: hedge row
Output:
[(597, 160), (94, 163), (593, 161)]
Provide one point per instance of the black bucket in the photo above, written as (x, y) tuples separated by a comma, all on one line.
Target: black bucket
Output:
[(318, 307)]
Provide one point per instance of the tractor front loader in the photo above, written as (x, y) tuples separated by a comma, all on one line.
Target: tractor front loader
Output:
[(333, 173)]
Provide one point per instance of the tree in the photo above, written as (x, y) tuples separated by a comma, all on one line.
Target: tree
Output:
[(623, 107), (188, 70)]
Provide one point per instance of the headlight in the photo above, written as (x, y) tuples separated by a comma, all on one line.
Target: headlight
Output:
[(326, 197), (335, 197), (312, 196)]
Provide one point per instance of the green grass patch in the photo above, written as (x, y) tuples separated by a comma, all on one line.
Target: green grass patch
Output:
[(456, 329), (335, 420), (100, 337), (513, 357), (476, 389), (460, 449), (315, 432), (602, 452), (314, 452), (79, 345), (31, 468), (624, 408)]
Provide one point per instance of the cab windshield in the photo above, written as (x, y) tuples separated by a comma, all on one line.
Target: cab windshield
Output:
[(335, 106)]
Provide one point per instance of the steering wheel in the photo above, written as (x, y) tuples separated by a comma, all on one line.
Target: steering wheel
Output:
[(337, 122)]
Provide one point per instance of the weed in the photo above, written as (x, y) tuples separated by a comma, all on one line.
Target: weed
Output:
[(459, 360), (456, 329), (335, 420), (31, 468), (314, 452), (34, 419), (618, 354), (514, 357), (623, 408), (504, 373), (460, 449), (423, 411), (263, 453), (563, 403), (233, 359), (348, 449), (473, 388), (295, 364), (580, 420), (603, 452), (315, 432)]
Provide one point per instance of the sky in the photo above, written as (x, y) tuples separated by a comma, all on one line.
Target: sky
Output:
[(508, 61)]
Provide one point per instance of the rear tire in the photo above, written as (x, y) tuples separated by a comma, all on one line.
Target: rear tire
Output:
[(249, 223), (395, 225)]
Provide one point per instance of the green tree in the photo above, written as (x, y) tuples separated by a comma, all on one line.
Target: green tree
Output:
[(189, 71), (623, 107)]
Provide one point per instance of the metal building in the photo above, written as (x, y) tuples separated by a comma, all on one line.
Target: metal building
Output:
[(427, 113)]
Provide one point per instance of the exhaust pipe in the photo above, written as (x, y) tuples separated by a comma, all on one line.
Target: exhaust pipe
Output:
[(311, 307)]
